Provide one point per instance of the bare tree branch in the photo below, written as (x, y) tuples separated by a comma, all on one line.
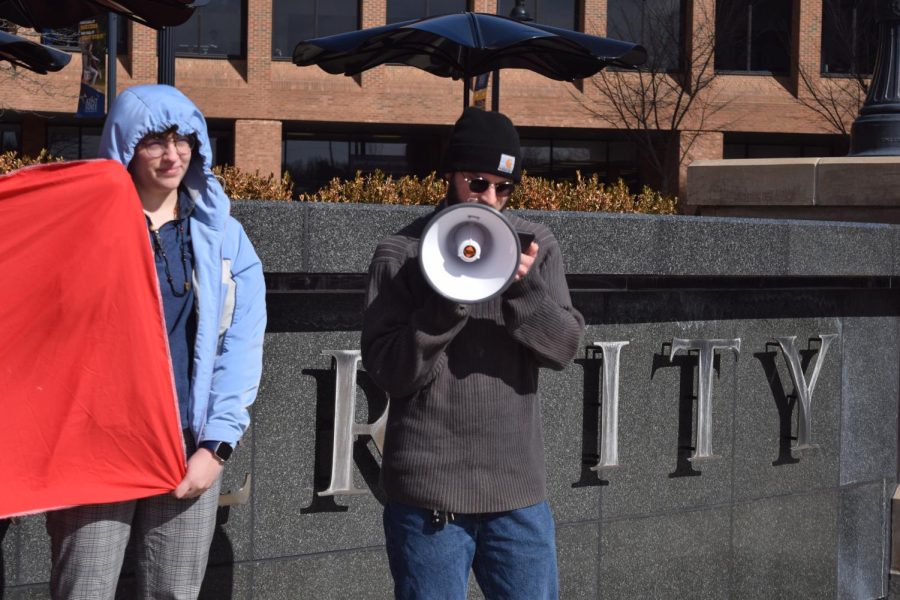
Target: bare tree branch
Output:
[(837, 99), (29, 83), (667, 94)]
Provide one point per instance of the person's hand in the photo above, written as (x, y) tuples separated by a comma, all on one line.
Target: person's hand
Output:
[(526, 259), (202, 471)]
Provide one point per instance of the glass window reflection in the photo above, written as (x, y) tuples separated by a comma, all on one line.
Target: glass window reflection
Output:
[(10, 138), (655, 24), (407, 10), (73, 142), (753, 35), (849, 37), (294, 21), (564, 159), (216, 30), (558, 13)]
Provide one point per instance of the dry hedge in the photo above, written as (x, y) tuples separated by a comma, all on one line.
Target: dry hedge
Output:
[(583, 194)]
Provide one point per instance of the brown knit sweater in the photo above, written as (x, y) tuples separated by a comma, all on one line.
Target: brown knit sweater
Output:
[(464, 427)]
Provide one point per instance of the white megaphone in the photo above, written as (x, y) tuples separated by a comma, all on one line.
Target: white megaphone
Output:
[(469, 253)]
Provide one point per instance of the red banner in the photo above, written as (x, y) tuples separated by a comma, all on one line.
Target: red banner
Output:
[(87, 399)]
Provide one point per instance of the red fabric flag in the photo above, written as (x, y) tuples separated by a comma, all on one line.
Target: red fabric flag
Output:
[(87, 398)]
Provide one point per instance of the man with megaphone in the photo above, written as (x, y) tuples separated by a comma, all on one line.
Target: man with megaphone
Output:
[(455, 333)]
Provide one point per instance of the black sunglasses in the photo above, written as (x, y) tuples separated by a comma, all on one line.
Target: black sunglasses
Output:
[(480, 185)]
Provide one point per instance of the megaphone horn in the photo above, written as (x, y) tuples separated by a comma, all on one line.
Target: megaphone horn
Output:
[(469, 253)]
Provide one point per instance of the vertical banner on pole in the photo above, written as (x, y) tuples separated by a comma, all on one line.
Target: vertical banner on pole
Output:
[(92, 40), (479, 97)]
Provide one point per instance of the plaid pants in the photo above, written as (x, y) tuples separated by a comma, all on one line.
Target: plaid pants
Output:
[(172, 539)]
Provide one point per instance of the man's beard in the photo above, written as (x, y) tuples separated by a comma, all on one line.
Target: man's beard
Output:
[(452, 193)]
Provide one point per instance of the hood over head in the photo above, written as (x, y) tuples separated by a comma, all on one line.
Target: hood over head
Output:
[(146, 109)]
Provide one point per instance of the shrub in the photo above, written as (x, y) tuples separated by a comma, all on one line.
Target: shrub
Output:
[(253, 186), (10, 161), (378, 188), (583, 194), (589, 195)]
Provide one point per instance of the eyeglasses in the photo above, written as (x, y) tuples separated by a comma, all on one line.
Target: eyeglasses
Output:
[(155, 147), (480, 185)]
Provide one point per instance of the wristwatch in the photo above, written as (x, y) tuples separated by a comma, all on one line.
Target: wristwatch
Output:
[(221, 450)]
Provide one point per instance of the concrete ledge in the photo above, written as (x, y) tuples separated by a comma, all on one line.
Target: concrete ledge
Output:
[(848, 181), (780, 182), (841, 188)]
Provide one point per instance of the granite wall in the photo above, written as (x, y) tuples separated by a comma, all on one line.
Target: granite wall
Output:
[(762, 520)]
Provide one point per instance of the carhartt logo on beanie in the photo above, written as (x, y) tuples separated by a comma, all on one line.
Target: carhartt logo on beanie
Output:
[(484, 142)]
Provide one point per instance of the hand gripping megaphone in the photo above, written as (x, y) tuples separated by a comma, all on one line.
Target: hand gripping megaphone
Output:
[(469, 253)]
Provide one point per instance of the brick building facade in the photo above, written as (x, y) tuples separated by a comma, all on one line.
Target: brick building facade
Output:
[(267, 114)]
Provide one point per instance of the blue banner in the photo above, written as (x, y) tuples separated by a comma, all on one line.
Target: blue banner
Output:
[(92, 41)]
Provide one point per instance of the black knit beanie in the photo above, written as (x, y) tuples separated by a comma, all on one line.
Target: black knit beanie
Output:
[(484, 142)]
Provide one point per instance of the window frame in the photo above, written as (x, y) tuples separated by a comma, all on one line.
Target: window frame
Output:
[(555, 143), (289, 56), (682, 36), (854, 70), (387, 11), (355, 148), (577, 10), (16, 129), (242, 55), (91, 128), (749, 41)]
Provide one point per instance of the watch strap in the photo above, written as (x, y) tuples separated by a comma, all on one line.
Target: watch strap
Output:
[(221, 450)]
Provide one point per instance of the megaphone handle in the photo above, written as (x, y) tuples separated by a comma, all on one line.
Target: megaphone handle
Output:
[(525, 239)]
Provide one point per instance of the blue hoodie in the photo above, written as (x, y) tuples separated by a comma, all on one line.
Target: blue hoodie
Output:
[(228, 279)]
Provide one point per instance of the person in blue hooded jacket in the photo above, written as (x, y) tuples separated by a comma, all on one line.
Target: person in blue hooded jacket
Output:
[(213, 296)]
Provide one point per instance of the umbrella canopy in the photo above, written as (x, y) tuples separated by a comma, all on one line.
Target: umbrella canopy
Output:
[(41, 14), (31, 55), (466, 44)]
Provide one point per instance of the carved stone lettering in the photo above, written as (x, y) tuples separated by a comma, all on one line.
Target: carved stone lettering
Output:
[(345, 427), (803, 389), (707, 350), (609, 419)]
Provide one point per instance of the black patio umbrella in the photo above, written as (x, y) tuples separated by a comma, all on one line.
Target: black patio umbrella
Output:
[(467, 44), (31, 55), (41, 14)]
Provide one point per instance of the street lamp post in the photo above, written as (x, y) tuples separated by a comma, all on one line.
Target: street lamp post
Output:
[(165, 44), (876, 131), (519, 13)]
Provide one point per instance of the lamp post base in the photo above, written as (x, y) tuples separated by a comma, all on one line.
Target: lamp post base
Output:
[(876, 135)]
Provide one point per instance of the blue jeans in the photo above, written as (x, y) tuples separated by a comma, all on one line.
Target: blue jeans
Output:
[(512, 553)]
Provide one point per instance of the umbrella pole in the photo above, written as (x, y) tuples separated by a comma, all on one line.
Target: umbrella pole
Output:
[(465, 93)]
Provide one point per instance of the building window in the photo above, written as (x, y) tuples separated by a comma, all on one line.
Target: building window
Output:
[(557, 13), (753, 35), (73, 142), (314, 160), (849, 37), (294, 21), (10, 137), (657, 25), (776, 145), (216, 30), (407, 10), (221, 141), (561, 159)]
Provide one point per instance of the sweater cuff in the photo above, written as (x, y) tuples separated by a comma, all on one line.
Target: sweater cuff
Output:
[(524, 296)]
